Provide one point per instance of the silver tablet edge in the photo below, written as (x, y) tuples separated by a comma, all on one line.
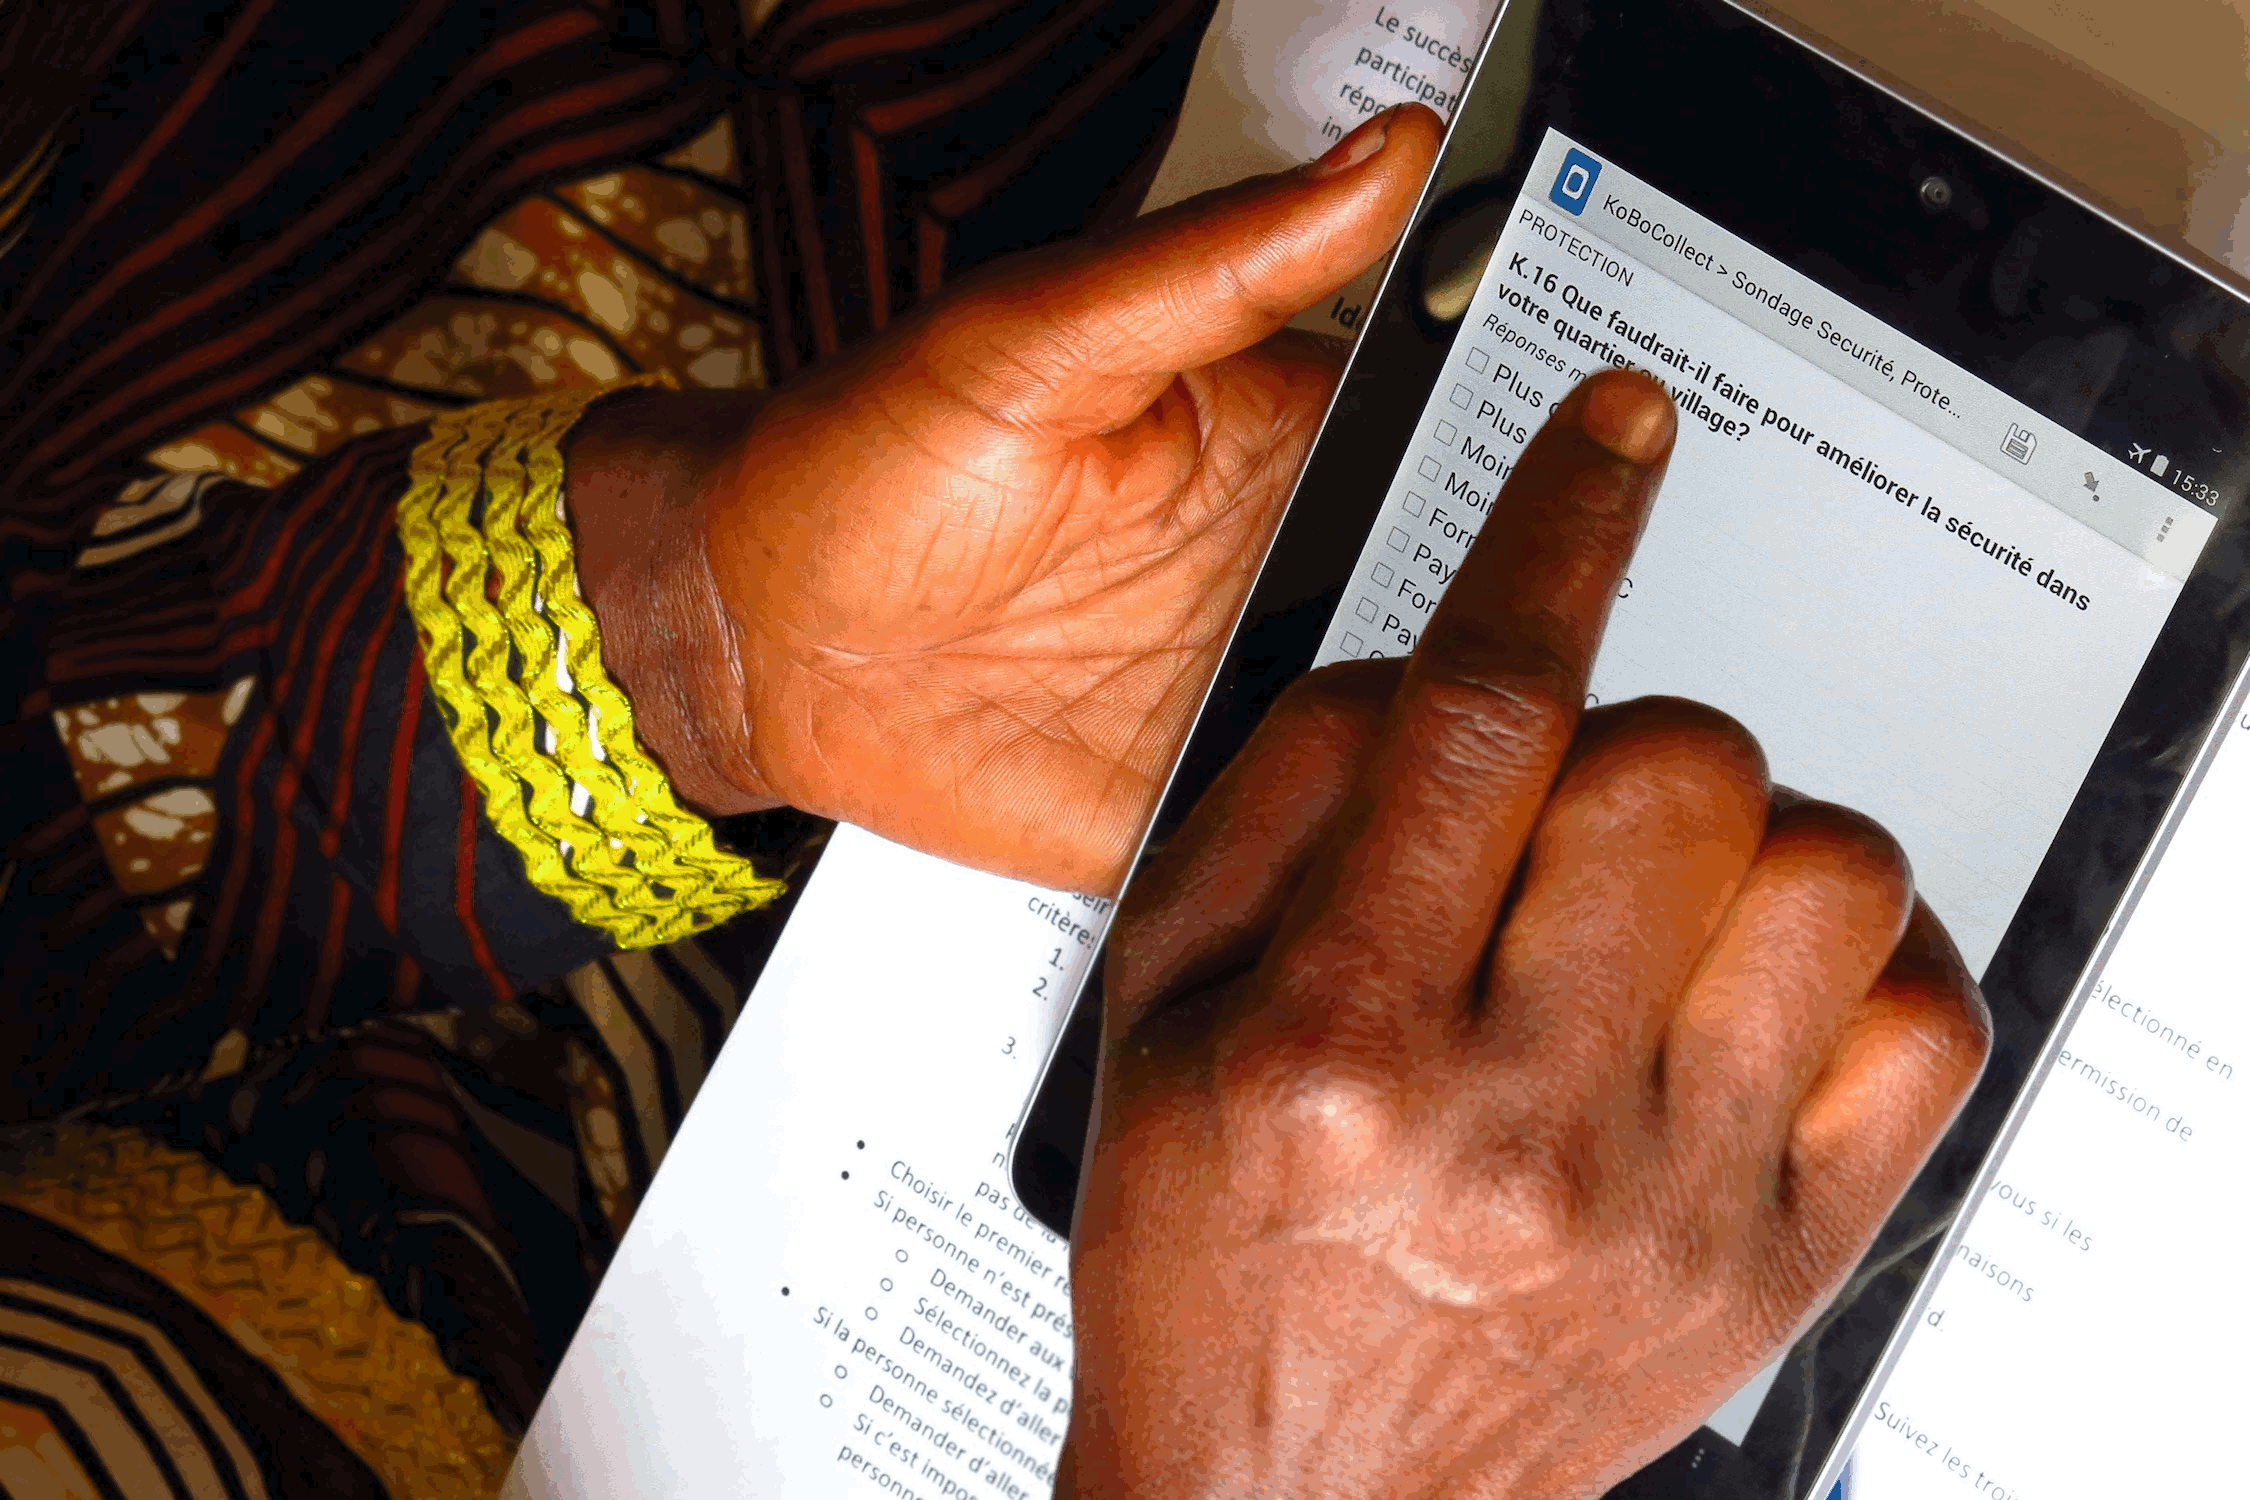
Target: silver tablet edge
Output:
[(1140, 847)]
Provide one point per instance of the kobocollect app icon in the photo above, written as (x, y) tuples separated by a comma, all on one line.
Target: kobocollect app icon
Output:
[(1574, 184)]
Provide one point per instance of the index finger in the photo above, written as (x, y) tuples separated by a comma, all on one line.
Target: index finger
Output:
[(1405, 895)]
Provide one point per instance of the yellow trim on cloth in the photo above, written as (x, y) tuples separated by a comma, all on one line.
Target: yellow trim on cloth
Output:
[(373, 1378), (514, 658)]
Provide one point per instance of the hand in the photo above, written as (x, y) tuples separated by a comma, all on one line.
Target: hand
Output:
[(1486, 1094), (966, 587)]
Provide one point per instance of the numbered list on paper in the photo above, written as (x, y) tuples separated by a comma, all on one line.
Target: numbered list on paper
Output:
[(831, 1289)]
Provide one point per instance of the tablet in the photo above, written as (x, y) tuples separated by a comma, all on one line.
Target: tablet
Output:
[(1954, 526)]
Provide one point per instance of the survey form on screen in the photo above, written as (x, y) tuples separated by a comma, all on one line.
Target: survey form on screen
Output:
[(1924, 599)]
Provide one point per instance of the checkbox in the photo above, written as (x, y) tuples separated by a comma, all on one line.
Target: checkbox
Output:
[(1414, 503), (1398, 539), (1479, 361), (1429, 468), (1365, 609), (1383, 575), (1462, 396), (1353, 645), (1447, 432)]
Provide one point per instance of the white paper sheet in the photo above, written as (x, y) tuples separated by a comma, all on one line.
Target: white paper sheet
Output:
[(1277, 84), (2086, 1338), (830, 1289)]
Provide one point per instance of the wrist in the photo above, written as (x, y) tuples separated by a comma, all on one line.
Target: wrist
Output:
[(643, 472)]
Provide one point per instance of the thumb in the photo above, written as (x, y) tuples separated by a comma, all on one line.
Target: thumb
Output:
[(1082, 339)]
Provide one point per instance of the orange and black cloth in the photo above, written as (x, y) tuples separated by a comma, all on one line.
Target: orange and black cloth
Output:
[(318, 1119)]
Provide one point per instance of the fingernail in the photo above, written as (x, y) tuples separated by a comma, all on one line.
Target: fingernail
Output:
[(1631, 417), (1354, 148)]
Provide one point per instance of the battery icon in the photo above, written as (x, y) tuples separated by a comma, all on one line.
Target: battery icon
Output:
[(2160, 466)]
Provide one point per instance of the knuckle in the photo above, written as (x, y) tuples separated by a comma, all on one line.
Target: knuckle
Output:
[(1315, 1066), (1673, 752), (1944, 1038), (1854, 836), (1505, 651), (1538, 1195), (1224, 281), (1343, 1114), (1342, 966), (1847, 854), (1302, 1119), (1490, 725), (1342, 701), (1694, 733)]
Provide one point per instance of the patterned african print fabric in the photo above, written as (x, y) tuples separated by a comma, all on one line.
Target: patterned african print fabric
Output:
[(317, 1122)]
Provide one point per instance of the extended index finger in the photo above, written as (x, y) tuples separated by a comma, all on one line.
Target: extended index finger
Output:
[(1408, 890)]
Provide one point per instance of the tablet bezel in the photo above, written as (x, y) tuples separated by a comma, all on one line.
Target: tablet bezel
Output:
[(1615, 76)]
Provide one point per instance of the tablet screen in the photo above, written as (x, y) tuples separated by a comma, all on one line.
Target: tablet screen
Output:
[(1924, 598)]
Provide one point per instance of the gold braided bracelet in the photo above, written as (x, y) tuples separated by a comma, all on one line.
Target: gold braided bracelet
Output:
[(514, 658)]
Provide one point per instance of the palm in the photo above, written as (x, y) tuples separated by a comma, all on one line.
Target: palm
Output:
[(978, 575), (1025, 620)]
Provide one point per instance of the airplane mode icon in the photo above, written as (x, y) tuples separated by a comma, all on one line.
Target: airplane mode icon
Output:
[(2139, 453)]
